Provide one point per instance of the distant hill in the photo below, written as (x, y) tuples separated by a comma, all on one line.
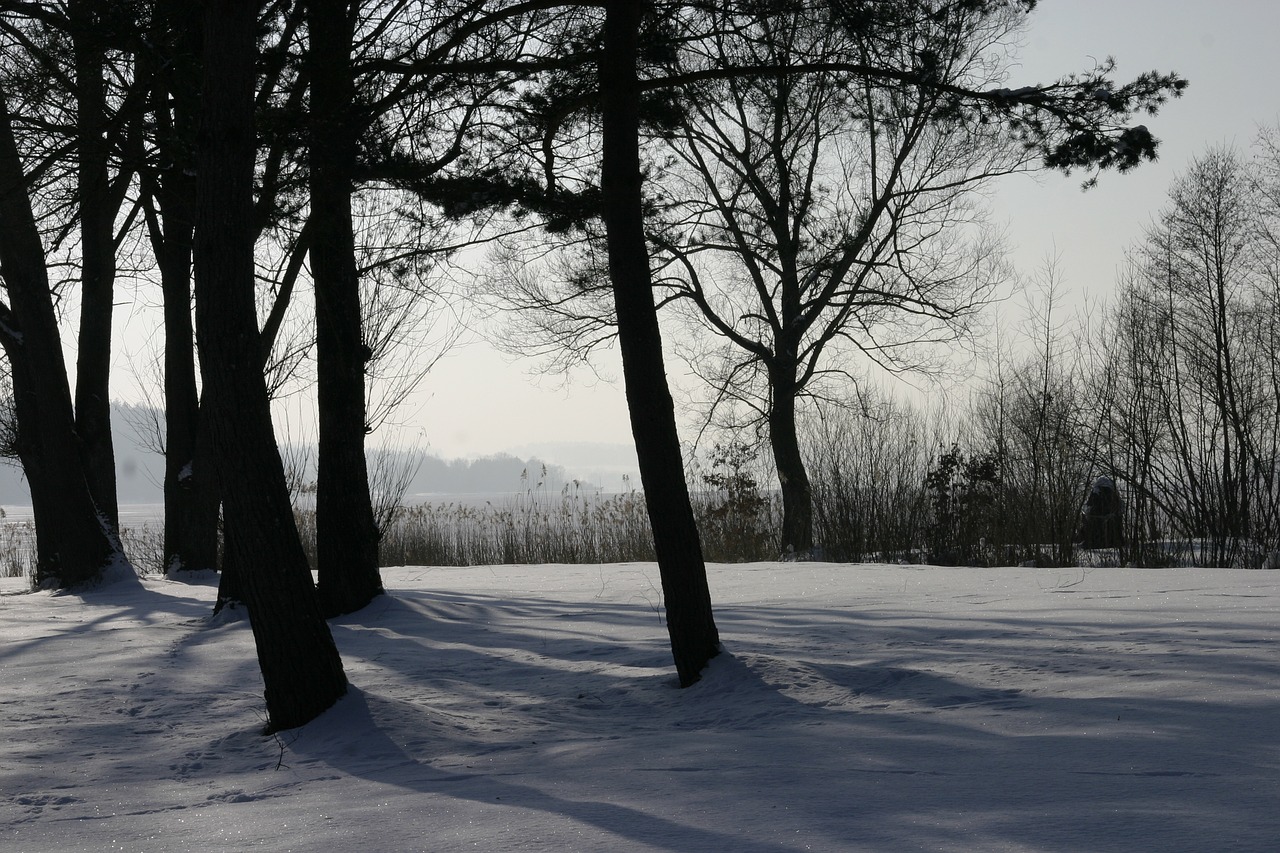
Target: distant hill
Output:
[(140, 467), (610, 466)]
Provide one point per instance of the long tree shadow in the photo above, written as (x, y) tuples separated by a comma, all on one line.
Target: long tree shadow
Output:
[(852, 695), (83, 612), (350, 738)]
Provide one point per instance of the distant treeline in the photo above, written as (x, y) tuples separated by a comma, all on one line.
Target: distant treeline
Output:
[(500, 473)]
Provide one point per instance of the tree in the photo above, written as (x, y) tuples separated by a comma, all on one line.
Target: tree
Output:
[(1192, 371), (1030, 415), (474, 51), (56, 104), (92, 24), (814, 201), (1202, 255), (690, 623), (170, 64), (869, 466), (73, 546), (346, 533), (1125, 401), (808, 219), (301, 669), (379, 129)]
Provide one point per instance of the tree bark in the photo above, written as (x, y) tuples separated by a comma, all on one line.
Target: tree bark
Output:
[(301, 670), (694, 638), (190, 493), (72, 545), (190, 485), (98, 263), (793, 478), (346, 532)]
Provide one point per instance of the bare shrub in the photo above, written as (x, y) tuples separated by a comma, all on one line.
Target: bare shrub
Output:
[(869, 467)]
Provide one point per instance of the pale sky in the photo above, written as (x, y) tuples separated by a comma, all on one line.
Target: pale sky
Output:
[(1226, 49), (477, 402)]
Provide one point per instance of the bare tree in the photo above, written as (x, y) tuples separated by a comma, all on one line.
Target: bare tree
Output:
[(816, 218), (869, 459), (812, 193), (1126, 401), (1199, 258), (1031, 415), (1196, 394)]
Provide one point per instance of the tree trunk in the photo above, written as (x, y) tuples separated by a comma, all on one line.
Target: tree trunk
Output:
[(797, 496), (190, 494), (301, 670), (694, 638), (346, 533), (72, 546), (98, 264)]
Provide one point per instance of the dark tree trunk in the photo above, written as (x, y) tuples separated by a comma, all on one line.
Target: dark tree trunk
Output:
[(797, 495), (190, 495), (190, 492), (98, 211), (231, 578), (346, 532), (72, 545), (301, 670), (694, 639)]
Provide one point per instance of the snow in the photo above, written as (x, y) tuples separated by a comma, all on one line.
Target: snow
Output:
[(867, 708)]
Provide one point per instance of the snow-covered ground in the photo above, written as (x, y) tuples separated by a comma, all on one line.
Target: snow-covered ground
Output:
[(878, 708)]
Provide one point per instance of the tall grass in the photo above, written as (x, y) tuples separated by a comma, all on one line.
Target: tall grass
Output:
[(531, 527), (143, 543), (17, 549), (882, 491), (868, 472), (572, 526)]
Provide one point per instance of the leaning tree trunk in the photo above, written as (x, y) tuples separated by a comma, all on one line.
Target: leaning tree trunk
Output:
[(301, 669), (793, 479), (694, 638), (346, 532), (72, 545)]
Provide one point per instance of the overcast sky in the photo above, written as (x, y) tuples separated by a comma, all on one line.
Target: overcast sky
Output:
[(477, 403)]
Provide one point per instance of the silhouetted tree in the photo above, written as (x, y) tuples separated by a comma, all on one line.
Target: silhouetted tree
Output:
[(169, 63), (694, 638), (301, 669), (73, 545), (346, 534), (818, 186), (93, 24)]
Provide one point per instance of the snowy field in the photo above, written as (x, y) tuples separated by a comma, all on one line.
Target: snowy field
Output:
[(856, 708)]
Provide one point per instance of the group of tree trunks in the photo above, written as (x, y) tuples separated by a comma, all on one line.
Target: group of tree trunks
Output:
[(187, 137)]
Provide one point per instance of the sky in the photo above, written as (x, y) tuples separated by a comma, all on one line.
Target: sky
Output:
[(863, 708), (478, 402), (1226, 50)]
